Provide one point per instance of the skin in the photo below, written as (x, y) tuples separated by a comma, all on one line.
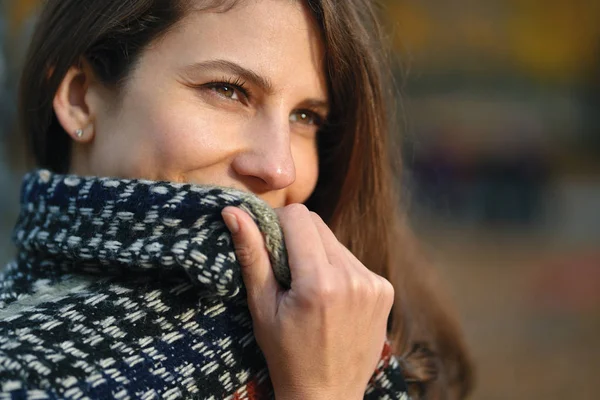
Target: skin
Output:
[(172, 123), (182, 116)]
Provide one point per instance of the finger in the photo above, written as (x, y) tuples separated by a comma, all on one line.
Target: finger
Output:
[(332, 246), (304, 246), (356, 263), (252, 255)]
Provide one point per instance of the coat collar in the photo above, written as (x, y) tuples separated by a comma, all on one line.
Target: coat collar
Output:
[(108, 226)]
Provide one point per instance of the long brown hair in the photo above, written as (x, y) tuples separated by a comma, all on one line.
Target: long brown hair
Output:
[(357, 189)]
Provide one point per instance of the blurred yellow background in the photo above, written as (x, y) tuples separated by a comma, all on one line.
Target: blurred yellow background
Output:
[(500, 118), (502, 146), (550, 40)]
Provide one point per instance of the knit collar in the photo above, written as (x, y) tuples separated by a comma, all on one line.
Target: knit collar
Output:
[(105, 226)]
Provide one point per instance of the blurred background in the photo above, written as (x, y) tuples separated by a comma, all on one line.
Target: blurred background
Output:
[(501, 124)]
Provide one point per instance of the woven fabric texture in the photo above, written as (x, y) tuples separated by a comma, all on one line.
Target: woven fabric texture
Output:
[(130, 289)]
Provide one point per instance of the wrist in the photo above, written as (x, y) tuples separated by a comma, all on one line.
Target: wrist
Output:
[(315, 394)]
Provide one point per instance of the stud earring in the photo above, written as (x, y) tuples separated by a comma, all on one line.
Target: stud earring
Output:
[(79, 133)]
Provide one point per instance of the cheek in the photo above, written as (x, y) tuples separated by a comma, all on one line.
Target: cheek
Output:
[(307, 170), (183, 138)]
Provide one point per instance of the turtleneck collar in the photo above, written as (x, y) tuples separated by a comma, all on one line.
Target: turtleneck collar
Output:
[(106, 226)]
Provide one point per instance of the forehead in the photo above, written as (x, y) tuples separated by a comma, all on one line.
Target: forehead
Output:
[(276, 38)]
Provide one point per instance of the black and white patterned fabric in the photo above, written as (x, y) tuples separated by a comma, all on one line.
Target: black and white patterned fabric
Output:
[(130, 289)]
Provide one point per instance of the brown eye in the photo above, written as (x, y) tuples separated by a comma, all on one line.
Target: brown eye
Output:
[(226, 91), (305, 117)]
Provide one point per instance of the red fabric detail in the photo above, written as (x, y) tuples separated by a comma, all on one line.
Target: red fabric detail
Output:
[(386, 356), (254, 390)]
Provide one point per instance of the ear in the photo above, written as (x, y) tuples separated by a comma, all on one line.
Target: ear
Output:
[(71, 104)]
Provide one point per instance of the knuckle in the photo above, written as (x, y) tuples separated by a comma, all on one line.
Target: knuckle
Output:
[(294, 210), (315, 217), (245, 254), (355, 283), (324, 293), (386, 292), (326, 296), (374, 288), (388, 288)]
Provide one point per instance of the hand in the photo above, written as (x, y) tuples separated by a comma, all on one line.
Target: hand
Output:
[(322, 339)]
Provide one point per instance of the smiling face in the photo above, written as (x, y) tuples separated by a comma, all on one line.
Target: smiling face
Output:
[(232, 98)]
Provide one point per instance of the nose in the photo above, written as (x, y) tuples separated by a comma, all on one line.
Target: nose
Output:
[(267, 155)]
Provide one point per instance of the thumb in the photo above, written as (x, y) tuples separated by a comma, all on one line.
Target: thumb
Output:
[(252, 255)]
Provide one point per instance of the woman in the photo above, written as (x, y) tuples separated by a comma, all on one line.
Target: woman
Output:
[(190, 106)]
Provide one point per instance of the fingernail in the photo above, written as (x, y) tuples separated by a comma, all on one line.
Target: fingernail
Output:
[(231, 222)]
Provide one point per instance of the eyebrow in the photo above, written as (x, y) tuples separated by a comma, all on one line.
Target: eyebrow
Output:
[(246, 74)]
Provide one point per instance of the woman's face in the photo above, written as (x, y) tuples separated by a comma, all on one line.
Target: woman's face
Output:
[(233, 98)]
